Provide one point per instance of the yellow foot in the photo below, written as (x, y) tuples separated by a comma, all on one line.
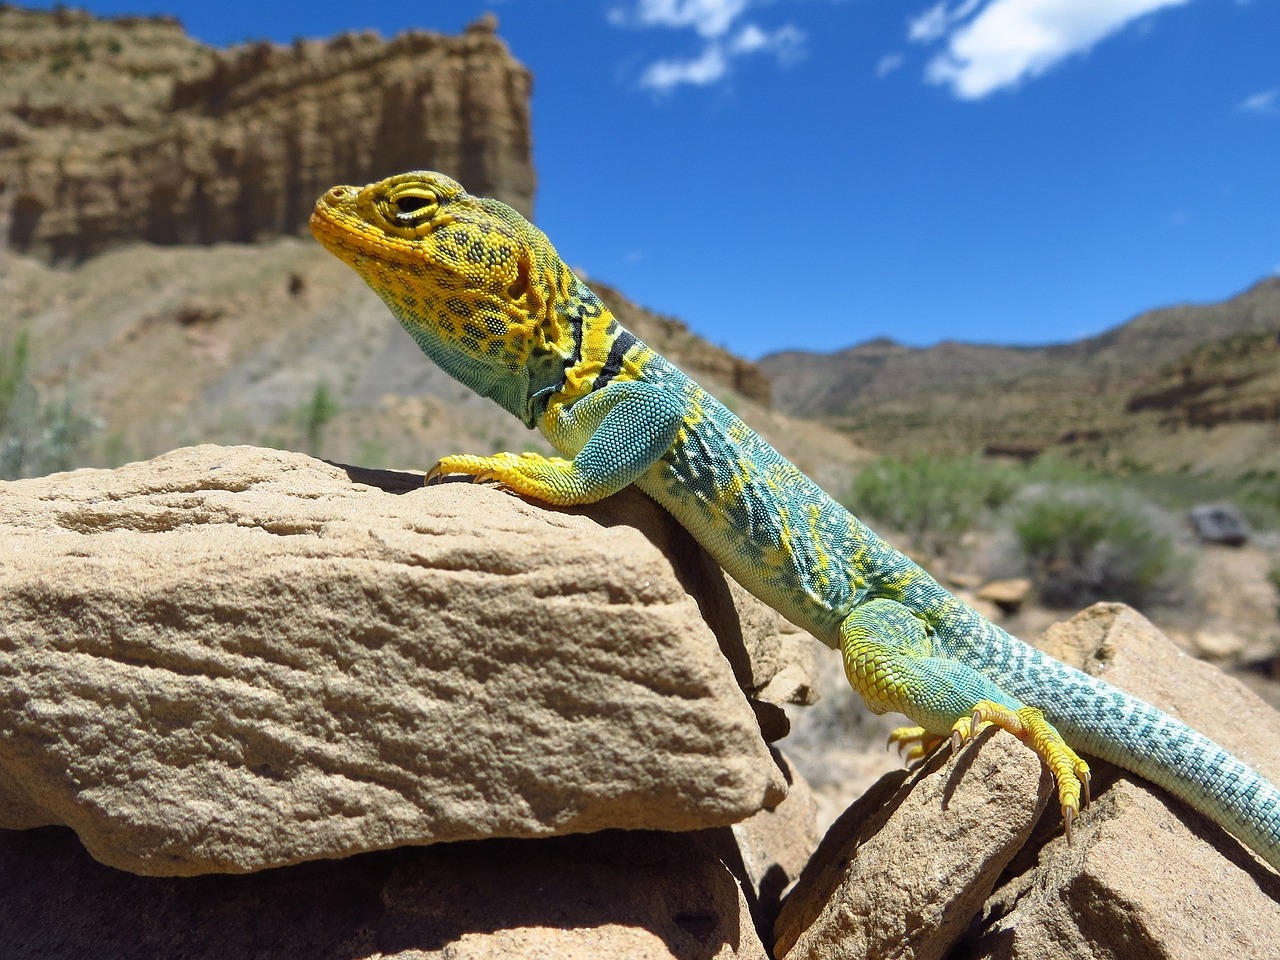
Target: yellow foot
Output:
[(913, 743), (510, 471), (1030, 726)]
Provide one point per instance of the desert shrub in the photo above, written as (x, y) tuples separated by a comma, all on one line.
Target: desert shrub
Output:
[(37, 436), (933, 500), (1090, 544), (315, 415)]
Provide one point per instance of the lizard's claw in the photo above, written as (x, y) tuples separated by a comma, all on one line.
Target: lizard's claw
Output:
[(1029, 725), (913, 743), (492, 479)]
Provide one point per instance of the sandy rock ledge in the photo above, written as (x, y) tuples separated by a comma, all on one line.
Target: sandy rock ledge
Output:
[(228, 659), (529, 732)]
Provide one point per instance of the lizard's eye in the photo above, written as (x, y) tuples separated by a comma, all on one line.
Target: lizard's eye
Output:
[(413, 206)]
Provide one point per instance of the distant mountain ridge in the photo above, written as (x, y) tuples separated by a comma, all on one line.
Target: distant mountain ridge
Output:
[(1075, 397)]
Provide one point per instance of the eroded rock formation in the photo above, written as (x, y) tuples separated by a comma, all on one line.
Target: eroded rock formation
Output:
[(127, 129)]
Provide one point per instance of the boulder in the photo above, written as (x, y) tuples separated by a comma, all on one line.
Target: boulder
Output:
[(1008, 595), (1146, 875), (1219, 523), (905, 872), (227, 659), (910, 863), (642, 896)]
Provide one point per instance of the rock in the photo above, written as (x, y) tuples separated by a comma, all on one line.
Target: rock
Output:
[(1219, 523), (905, 871), (962, 580), (1146, 875), (650, 896), (908, 865), (768, 851), (227, 659), (1218, 644), (114, 130), (1008, 595)]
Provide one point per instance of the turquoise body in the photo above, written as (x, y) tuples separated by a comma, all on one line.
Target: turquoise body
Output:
[(782, 537), (485, 295)]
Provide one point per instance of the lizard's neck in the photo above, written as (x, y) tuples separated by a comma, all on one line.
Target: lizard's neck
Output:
[(508, 388), (587, 351)]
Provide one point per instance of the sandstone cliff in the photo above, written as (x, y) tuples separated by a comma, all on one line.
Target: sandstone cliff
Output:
[(127, 129)]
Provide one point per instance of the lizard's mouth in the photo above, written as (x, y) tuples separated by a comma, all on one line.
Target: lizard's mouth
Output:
[(349, 236)]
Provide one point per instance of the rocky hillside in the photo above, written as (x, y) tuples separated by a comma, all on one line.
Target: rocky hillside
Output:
[(113, 130), (1185, 387), (278, 343), (130, 155)]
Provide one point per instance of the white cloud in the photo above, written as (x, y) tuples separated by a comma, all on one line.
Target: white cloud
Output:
[(1266, 102), (786, 43), (934, 23), (889, 63), (1007, 41), (710, 18), (723, 40), (668, 74)]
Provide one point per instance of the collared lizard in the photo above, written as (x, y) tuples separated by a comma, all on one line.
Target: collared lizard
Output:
[(486, 296)]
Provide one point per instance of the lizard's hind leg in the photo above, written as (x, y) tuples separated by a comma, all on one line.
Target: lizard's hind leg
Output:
[(890, 661)]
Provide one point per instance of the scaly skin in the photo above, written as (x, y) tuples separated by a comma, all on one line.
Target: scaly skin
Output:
[(485, 295)]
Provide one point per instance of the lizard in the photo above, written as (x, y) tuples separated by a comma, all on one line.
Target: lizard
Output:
[(486, 297)]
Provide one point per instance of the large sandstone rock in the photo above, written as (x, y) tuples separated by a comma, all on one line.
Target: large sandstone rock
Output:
[(127, 129), (227, 659), (1146, 875), (904, 873), (905, 869)]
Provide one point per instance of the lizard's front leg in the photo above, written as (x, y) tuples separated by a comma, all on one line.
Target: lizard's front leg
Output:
[(619, 430), (889, 660)]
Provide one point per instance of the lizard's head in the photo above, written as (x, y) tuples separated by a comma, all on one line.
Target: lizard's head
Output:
[(468, 277)]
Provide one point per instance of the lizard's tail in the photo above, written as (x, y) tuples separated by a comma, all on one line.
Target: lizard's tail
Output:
[(1096, 718)]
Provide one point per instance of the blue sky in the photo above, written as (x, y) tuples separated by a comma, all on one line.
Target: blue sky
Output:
[(814, 173)]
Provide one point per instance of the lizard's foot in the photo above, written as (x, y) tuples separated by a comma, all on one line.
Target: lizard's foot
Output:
[(913, 743), (1029, 725), (512, 472)]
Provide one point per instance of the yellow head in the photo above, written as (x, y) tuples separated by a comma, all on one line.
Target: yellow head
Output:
[(475, 283)]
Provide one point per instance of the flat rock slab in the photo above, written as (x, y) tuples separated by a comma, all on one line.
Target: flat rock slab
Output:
[(642, 896), (227, 659)]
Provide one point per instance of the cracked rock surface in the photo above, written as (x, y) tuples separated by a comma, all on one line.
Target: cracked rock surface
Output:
[(229, 658)]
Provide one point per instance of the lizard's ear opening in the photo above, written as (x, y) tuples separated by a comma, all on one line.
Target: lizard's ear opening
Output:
[(520, 285)]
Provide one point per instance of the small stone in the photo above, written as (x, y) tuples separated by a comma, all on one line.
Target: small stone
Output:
[(1219, 523), (1008, 595), (1218, 644)]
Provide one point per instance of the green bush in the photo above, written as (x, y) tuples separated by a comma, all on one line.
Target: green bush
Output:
[(37, 436), (933, 500), (315, 415), (1086, 545)]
